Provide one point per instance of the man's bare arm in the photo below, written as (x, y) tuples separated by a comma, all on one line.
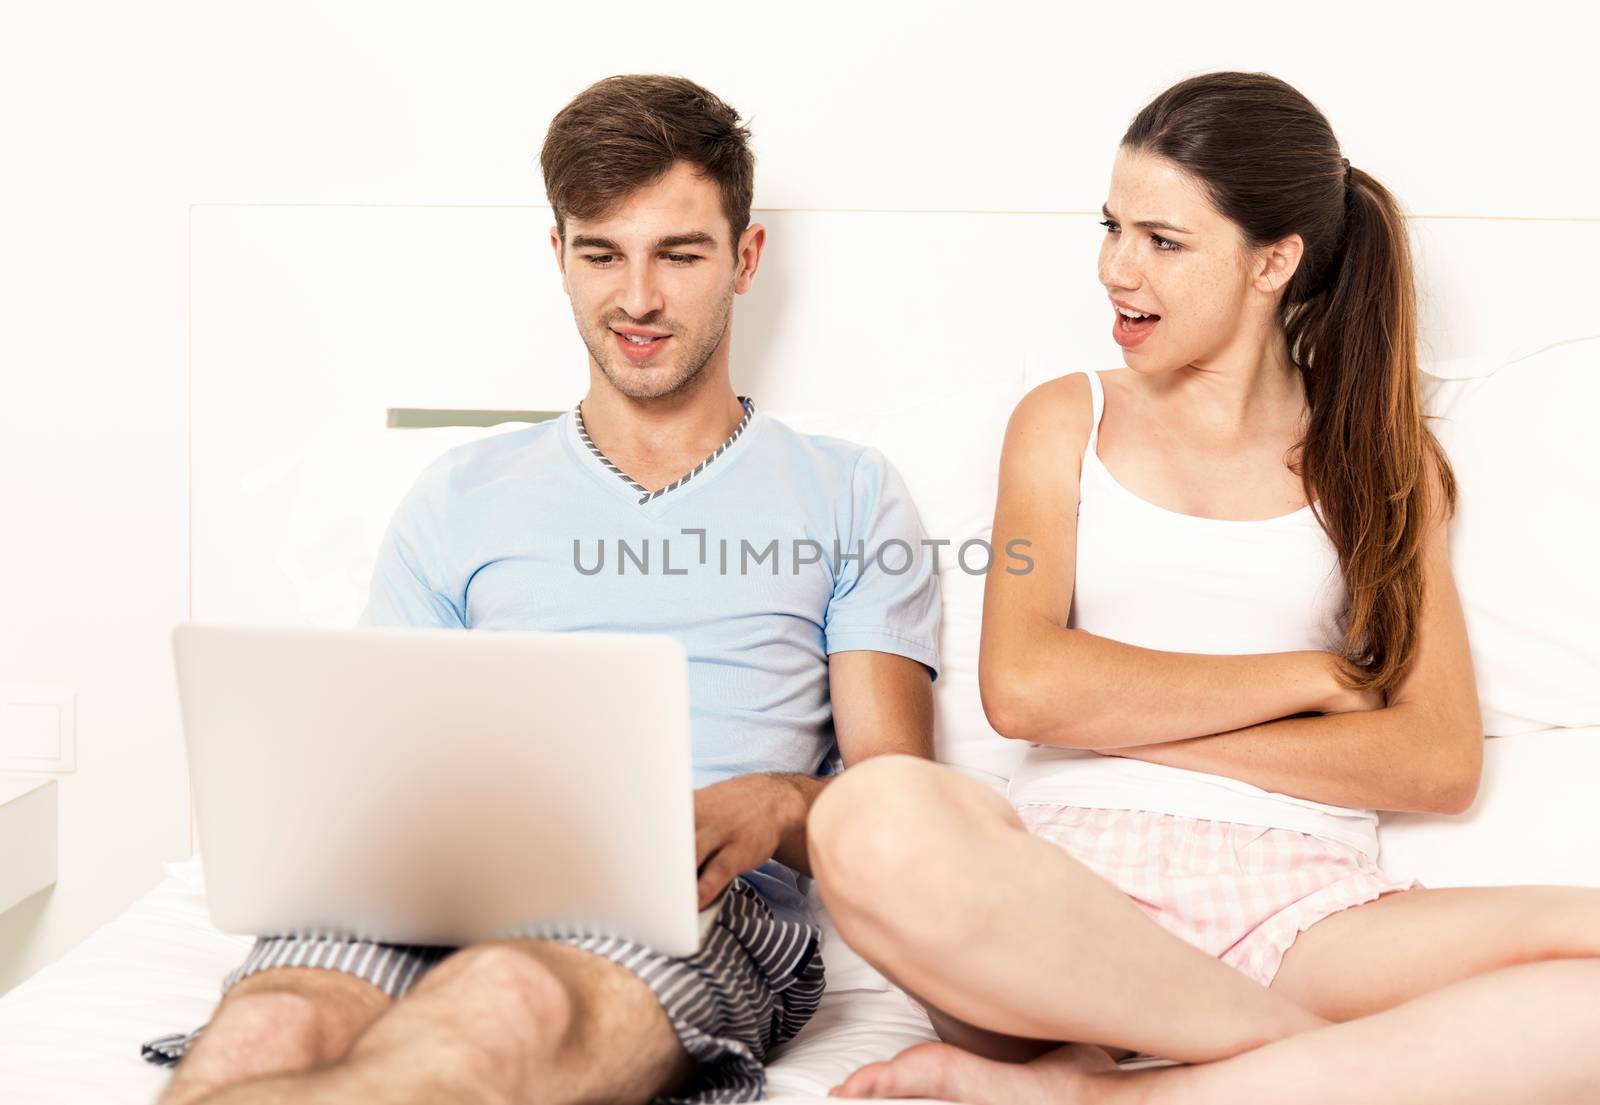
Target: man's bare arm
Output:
[(881, 703)]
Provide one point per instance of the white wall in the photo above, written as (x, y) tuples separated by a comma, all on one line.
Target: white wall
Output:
[(115, 118)]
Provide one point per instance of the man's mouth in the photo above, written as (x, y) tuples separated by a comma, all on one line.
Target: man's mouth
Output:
[(639, 345)]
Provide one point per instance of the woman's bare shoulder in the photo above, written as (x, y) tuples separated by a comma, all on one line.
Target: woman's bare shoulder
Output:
[(1055, 417)]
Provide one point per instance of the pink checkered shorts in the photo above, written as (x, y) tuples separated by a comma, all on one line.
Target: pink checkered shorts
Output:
[(1242, 893)]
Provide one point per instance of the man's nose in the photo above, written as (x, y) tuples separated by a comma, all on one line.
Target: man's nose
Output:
[(641, 294)]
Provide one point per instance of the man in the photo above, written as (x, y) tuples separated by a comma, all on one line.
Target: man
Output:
[(662, 503)]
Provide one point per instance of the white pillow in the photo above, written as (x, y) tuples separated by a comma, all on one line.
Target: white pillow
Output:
[(1529, 823), (1521, 439)]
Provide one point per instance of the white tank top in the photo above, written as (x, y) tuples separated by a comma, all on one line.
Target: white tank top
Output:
[(1151, 577)]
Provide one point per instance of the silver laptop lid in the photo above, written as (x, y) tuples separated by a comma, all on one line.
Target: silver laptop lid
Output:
[(441, 786)]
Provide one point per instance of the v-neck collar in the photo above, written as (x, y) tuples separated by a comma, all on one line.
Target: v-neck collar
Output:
[(643, 494)]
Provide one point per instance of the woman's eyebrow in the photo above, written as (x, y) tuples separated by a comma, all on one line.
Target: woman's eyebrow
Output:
[(1148, 224)]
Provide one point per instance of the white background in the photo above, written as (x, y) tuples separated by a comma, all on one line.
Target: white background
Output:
[(116, 118)]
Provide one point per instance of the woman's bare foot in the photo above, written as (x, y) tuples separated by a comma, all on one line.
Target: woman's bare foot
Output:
[(1075, 1074)]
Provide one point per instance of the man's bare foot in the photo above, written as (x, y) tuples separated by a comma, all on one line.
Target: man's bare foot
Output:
[(1075, 1074)]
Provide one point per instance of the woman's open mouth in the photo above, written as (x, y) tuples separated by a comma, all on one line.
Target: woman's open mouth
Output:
[(1130, 328)]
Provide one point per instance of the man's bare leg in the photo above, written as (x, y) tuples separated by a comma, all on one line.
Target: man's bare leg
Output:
[(933, 878), (515, 1021), (277, 1021)]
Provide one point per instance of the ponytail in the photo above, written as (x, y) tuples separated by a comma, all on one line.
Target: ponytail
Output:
[(1364, 460)]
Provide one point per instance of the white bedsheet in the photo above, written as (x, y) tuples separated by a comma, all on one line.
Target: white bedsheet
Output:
[(70, 1034)]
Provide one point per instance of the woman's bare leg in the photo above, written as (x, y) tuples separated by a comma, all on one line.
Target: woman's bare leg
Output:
[(1520, 1034), (933, 878), (1375, 956)]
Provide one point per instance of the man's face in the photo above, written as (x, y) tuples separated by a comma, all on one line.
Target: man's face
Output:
[(652, 283)]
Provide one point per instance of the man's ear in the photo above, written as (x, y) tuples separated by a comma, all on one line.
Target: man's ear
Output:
[(558, 247), (748, 256), (1277, 263)]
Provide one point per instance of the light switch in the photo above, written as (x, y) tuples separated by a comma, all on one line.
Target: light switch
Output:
[(37, 729)]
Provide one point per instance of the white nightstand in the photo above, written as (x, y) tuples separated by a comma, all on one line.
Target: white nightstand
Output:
[(27, 838)]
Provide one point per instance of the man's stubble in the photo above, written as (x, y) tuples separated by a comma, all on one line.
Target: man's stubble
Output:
[(692, 365)]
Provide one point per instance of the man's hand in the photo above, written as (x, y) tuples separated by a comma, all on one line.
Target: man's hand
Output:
[(881, 703), (741, 823)]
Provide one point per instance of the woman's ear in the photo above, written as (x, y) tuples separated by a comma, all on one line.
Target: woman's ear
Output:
[(1276, 264)]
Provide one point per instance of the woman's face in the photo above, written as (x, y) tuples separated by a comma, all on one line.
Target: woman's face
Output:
[(1168, 253)]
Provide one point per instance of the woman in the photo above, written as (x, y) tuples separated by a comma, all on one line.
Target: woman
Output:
[(1240, 639)]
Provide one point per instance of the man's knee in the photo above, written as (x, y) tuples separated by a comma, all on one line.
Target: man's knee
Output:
[(277, 1021), (481, 1022), (336, 1004), (508, 998), (331, 1007), (292, 1022)]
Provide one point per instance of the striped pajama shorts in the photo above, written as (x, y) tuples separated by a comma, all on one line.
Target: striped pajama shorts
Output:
[(754, 983)]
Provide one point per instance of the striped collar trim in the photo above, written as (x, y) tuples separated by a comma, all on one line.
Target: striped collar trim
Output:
[(645, 494)]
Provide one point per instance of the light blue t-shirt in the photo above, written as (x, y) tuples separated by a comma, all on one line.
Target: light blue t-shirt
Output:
[(782, 550)]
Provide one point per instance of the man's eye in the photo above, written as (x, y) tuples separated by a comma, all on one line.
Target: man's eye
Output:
[(599, 259), (682, 258)]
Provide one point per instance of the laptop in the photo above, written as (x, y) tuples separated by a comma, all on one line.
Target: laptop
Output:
[(434, 786)]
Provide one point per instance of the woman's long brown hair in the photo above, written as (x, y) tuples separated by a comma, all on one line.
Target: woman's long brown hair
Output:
[(1269, 161)]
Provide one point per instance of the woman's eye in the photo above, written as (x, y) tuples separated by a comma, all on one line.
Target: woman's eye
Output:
[(1110, 226), (1165, 245)]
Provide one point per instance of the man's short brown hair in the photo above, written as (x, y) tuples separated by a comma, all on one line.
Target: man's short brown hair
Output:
[(625, 132)]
